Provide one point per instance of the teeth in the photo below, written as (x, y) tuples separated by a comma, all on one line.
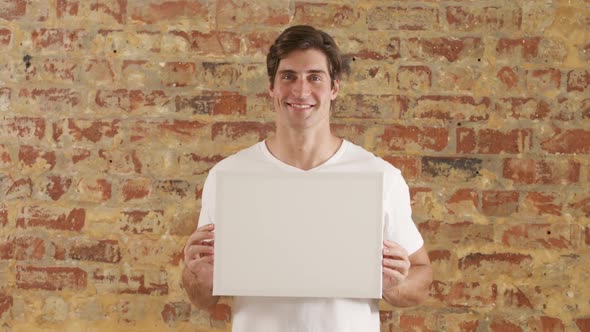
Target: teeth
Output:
[(300, 106)]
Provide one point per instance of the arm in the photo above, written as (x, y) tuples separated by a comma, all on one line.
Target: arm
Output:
[(197, 276), (406, 279)]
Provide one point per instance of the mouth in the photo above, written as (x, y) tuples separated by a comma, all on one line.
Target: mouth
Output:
[(299, 106)]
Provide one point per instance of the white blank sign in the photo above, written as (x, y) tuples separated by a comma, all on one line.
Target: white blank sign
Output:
[(298, 235)]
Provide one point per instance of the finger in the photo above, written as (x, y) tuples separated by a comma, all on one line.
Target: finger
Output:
[(202, 233), (394, 275), (401, 253), (398, 265), (197, 251)]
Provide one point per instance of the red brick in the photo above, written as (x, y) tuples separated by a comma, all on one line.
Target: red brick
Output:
[(509, 77), (142, 221), (133, 282), (522, 48), (6, 303), (584, 108), (196, 164), (491, 141), (409, 322), (80, 154), (579, 204), (258, 42), (178, 74), (378, 47), (568, 141), (5, 158), (179, 129), (214, 103), (545, 324), (543, 79), (155, 11), (22, 248), (544, 203), (57, 39), (94, 190), (176, 312), (121, 161), (5, 38), (98, 72), (541, 236), (19, 189), (417, 78), (402, 18), (129, 100), (439, 255), (462, 201), (92, 130), (231, 14), (213, 43), (402, 138), (61, 71), (499, 203), (173, 189), (134, 189), (364, 106), (463, 233), (578, 80), (516, 298), (57, 186), (464, 294), (451, 108), (237, 130), (527, 108), (325, 14), (511, 264), (51, 218), (409, 166), (484, 18), (583, 324), (220, 312), (67, 8), (13, 9), (53, 99), (23, 128), (451, 49), (504, 326), (529, 171), (50, 278), (117, 9), (29, 156), (107, 251)]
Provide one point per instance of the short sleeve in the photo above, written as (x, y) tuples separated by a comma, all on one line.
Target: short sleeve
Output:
[(207, 201), (398, 224)]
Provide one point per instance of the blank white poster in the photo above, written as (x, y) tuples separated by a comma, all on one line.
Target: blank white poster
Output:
[(298, 234)]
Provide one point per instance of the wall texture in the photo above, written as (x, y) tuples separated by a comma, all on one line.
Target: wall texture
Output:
[(112, 111)]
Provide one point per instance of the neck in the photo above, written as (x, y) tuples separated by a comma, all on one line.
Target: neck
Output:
[(304, 150)]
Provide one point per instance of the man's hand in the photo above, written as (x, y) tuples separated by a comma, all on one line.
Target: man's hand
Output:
[(198, 255), (396, 265)]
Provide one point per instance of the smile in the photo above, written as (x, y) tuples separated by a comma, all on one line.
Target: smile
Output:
[(300, 106)]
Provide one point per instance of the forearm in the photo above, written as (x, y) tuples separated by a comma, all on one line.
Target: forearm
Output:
[(200, 295), (414, 290)]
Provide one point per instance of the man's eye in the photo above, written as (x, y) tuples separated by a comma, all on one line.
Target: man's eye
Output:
[(287, 77), (316, 78)]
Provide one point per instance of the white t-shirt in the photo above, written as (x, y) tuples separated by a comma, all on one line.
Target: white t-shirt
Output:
[(254, 314)]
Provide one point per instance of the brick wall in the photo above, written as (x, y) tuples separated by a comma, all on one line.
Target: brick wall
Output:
[(112, 111)]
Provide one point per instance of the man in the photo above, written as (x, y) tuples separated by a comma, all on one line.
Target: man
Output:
[(304, 67)]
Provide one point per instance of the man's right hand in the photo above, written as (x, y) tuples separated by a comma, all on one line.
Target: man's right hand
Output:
[(198, 255)]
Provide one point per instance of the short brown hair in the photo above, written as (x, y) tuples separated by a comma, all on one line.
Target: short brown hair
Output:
[(303, 37)]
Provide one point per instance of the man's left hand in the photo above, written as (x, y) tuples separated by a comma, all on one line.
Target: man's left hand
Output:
[(396, 265)]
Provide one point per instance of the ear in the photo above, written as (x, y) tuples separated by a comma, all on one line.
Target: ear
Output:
[(271, 90), (335, 89)]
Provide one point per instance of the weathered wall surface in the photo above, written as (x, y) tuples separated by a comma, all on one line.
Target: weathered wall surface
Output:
[(112, 111)]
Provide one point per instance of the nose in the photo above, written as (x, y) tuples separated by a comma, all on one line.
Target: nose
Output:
[(301, 88)]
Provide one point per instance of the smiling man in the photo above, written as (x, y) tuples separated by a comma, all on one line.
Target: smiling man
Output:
[(304, 67)]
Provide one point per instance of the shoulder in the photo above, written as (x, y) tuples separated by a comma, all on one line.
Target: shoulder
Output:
[(242, 159), (359, 154)]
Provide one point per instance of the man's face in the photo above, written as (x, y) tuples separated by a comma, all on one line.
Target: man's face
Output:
[(303, 90)]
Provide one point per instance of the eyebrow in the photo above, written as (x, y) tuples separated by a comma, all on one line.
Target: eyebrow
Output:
[(312, 71)]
